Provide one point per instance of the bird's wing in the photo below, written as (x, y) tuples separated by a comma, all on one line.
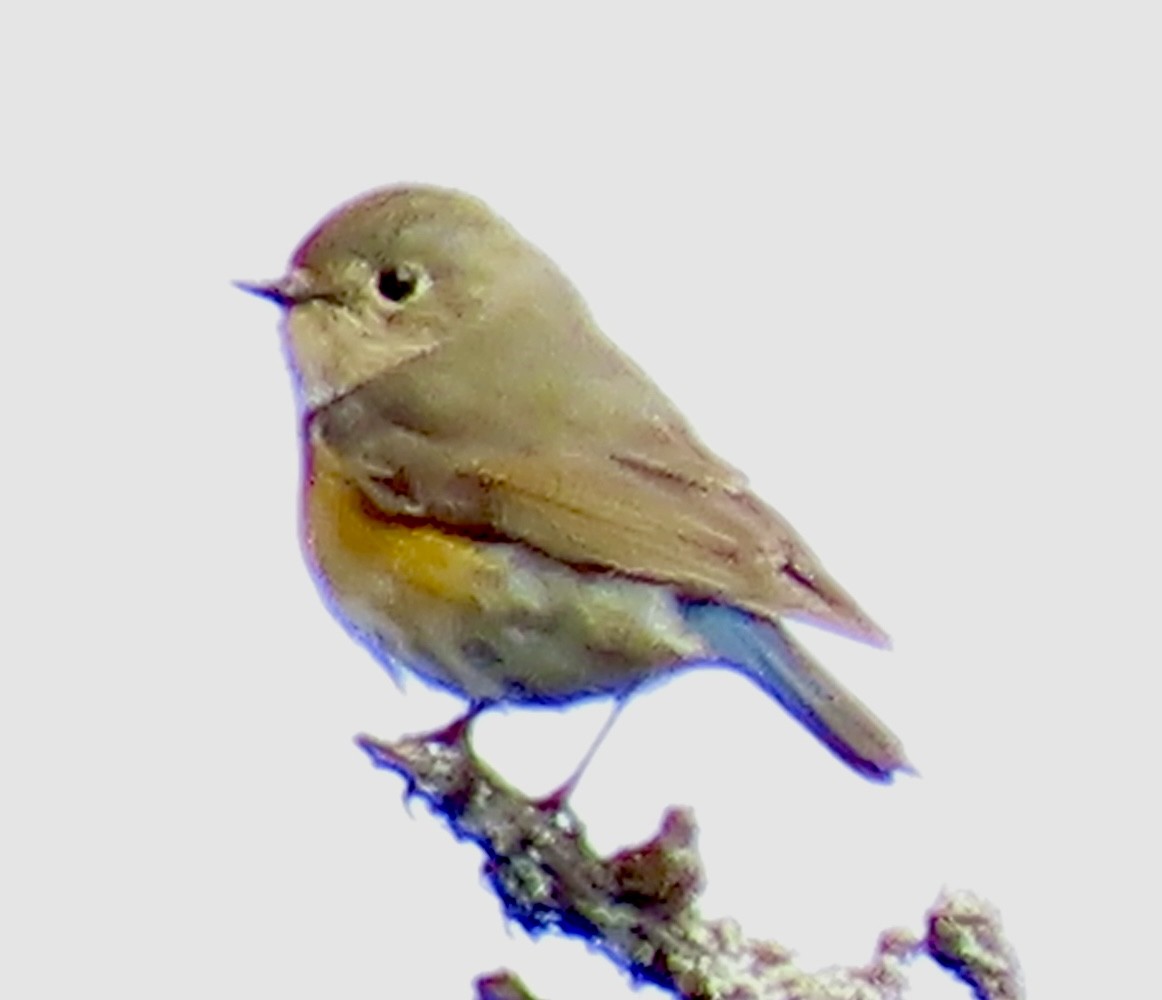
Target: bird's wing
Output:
[(668, 511)]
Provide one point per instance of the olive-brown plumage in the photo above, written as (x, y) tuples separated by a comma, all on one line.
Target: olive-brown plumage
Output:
[(500, 499)]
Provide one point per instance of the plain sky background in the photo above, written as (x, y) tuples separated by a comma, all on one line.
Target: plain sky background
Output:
[(898, 261)]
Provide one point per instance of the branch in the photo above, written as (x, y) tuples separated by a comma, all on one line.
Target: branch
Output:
[(639, 906)]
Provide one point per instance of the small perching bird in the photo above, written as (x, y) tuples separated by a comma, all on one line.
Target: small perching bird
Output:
[(496, 498)]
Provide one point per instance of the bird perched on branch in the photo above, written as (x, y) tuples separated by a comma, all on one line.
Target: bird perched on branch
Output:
[(498, 499)]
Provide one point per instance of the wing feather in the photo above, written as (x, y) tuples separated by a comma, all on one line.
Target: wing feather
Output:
[(661, 507)]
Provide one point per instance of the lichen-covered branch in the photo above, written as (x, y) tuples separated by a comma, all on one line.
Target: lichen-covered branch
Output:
[(501, 986), (964, 935), (639, 906)]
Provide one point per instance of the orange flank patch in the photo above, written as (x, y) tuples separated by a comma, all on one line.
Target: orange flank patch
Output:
[(352, 542)]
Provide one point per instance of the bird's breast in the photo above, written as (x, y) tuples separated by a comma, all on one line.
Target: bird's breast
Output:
[(490, 619)]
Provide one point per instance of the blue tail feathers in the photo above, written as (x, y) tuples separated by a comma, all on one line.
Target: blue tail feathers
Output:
[(768, 654)]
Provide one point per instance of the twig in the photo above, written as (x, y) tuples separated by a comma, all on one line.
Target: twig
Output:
[(639, 906)]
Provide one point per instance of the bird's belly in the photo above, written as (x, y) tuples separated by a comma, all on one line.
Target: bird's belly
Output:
[(491, 620)]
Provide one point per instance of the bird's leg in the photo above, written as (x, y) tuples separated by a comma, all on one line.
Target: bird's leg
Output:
[(555, 800), (457, 730)]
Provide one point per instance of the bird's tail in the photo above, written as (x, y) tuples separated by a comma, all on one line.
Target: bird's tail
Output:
[(787, 672)]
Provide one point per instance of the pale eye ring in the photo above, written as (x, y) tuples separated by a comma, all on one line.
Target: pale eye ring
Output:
[(399, 282)]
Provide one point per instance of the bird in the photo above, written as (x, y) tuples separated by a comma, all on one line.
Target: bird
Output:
[(498, 499)]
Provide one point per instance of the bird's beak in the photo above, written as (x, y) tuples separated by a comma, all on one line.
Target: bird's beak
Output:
[(285, 291)]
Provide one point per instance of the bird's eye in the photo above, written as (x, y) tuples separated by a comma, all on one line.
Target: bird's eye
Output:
[(399, 283)]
